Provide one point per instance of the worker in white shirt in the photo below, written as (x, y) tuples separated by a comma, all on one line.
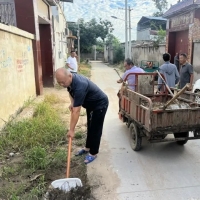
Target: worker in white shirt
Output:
[(71, 63)]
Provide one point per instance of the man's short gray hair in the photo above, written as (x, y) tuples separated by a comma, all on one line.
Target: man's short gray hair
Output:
[(129, 61)]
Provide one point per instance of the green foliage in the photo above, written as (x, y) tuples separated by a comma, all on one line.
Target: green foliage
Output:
[(118, 52), (161, 34), (160, 37), (111, 39), (40, 151), (36, 158), (85, 69), (59, 158), (89, 32), (158, 14), (8, 171), (161, 5), (78, 135), (100, 46), (52, 99), (39, 190), (12, 193), (44, 128)]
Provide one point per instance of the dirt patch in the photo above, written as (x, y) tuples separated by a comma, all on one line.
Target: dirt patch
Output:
[(78, 170), (21, 179), (78, 193)]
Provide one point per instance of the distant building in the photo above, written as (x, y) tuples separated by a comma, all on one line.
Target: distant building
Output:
[(60, 36), (183, 33), (147, 27)]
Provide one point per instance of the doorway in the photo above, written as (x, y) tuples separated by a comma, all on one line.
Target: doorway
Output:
[(46, 53), (181, 45), (178, 43)]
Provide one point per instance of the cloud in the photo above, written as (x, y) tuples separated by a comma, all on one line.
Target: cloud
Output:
[(88, 9)]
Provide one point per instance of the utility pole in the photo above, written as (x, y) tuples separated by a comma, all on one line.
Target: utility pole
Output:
[(130, 44), (78, 35), (127, 44), (95, 52), (126, 33)]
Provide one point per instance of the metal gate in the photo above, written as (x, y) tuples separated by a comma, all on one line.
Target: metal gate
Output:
[(7, 12)]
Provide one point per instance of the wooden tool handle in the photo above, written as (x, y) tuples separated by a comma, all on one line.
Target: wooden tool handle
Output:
[(176, 96), (165, 83), (69, 157)]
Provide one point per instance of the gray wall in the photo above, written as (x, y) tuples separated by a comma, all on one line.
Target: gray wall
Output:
[(196, 60), (151, 53), (108, 54), (143, 34), (90, 56), (148, 53)]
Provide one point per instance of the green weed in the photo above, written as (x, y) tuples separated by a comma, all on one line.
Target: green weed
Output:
[(45, 128), (51, 98), (58, 87), (80, 143), (85, 69), (39, 190), (59, 158), (9, 171), (37, 158), (78, 135), (13, 192)]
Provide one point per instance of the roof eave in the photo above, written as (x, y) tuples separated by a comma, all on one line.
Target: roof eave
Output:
[(72, 37), (52, 2), (142, 20), (188, 8)]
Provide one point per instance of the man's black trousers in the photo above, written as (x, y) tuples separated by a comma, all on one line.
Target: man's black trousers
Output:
[(95, 120)]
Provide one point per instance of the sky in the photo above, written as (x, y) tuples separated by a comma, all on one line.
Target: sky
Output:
[(88, 9)]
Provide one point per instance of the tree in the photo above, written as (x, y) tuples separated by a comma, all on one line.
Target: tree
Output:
[(100, 46), (160, 38), (111, 39), (90, 32), (161, 5), (118, 53)]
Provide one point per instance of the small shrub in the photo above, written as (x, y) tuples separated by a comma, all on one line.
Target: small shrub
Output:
[(44, 129), (59, 158), (37, 158), (52, 99), (78, 135)]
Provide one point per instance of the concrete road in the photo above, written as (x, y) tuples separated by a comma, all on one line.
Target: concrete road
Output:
[(163, 171)]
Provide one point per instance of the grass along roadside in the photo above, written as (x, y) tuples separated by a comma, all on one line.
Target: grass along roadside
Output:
[(85, 69), (33, 154)]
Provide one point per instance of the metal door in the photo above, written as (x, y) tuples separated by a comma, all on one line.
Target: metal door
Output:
[(181, 45)]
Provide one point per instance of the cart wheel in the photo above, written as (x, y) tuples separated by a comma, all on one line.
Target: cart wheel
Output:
[(135, 138), (179, 135)]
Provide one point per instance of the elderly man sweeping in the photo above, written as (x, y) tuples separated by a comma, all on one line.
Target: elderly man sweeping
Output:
[(84, 93)]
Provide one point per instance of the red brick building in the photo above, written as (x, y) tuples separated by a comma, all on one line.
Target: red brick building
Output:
[(183, 29)]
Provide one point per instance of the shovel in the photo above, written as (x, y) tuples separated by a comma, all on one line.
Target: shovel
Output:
[(120, 76), (67, 183), (176, 96), (165, 83)]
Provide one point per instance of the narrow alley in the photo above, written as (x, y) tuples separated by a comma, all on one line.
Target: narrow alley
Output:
[(164, 171)]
